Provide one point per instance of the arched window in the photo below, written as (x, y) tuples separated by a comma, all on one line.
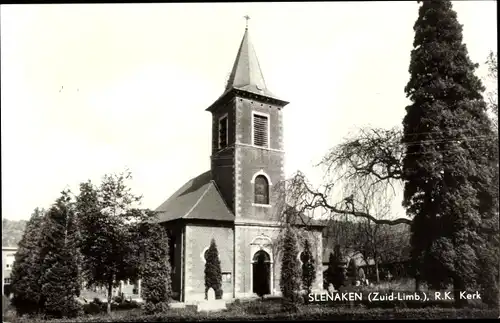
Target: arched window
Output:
[(204, 254), (261, 190)]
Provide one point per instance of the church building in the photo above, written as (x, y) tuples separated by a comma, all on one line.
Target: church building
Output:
[(236, 202)]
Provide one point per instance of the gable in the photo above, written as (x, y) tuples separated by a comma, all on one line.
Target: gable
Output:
[(198, 199)]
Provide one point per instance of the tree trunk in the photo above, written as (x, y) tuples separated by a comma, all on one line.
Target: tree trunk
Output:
[(110, 294), (377, 274)]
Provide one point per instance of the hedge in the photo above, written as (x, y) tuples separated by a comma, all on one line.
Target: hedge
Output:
[(312, 313)]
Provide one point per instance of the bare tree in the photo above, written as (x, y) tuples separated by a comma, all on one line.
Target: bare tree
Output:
[(378, 242), (370, 160)]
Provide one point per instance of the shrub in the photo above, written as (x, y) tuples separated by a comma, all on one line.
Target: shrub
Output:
[(308, 270), (156, 291), (97, 301), (151, 308), (127, 305), (290, 272), (262, 308), (213, 274), (100, 307), (310, 312), (92, 308), (118, 299)]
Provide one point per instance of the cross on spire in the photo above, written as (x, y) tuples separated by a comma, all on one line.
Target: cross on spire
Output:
[(246, 18)]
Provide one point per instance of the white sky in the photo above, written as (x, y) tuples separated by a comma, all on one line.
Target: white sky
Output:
[(136, 79)]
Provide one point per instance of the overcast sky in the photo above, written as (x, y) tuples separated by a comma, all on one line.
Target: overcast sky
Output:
[(92, 89)]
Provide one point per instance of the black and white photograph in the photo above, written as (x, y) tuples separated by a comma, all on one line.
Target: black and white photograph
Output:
[(249, 161)]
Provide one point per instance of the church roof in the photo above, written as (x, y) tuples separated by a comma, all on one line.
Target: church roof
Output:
[(198, 199)]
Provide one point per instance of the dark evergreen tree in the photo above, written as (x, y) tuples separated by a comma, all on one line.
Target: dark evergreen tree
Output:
[(156, 281), (450, 161), (26, 270), (290, 271), (213, 273), (308, 268), (337, 272), (60, 280)]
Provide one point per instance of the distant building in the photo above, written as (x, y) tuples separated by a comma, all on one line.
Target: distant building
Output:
[(8, 254)]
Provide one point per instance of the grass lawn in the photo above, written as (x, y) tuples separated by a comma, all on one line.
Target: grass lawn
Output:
[(270, 309)]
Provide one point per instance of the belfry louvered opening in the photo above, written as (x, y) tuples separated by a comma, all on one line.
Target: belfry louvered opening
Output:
[(260, 130), (223, 135)]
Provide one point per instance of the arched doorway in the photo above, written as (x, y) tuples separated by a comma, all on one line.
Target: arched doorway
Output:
[(261, 272)]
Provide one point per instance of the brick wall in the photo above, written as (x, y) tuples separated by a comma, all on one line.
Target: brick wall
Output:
[(223, 175), (222, 161), (249, 160), (198, 238), (225, 108)]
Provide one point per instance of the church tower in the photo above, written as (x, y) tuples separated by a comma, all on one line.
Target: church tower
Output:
[(237, 202), (247, 159)]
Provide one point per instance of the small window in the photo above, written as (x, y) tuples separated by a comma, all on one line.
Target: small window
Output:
[(223, 134), (261, 190), (260, 130), (226, 277), (7, 280)]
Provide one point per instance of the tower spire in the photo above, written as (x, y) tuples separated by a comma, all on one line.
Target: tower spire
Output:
[(246, 73)]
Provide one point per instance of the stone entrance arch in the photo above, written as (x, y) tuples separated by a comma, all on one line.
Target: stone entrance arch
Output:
[(261, 273), (262, 266)]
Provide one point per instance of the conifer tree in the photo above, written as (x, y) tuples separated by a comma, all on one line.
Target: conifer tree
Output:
[(60, 279), (156, 270), (336, 268), (213, 273), (26, 270), (449, 165), (290, 271), (308, 268)]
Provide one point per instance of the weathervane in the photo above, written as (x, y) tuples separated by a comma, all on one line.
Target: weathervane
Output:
[(246, 18)]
